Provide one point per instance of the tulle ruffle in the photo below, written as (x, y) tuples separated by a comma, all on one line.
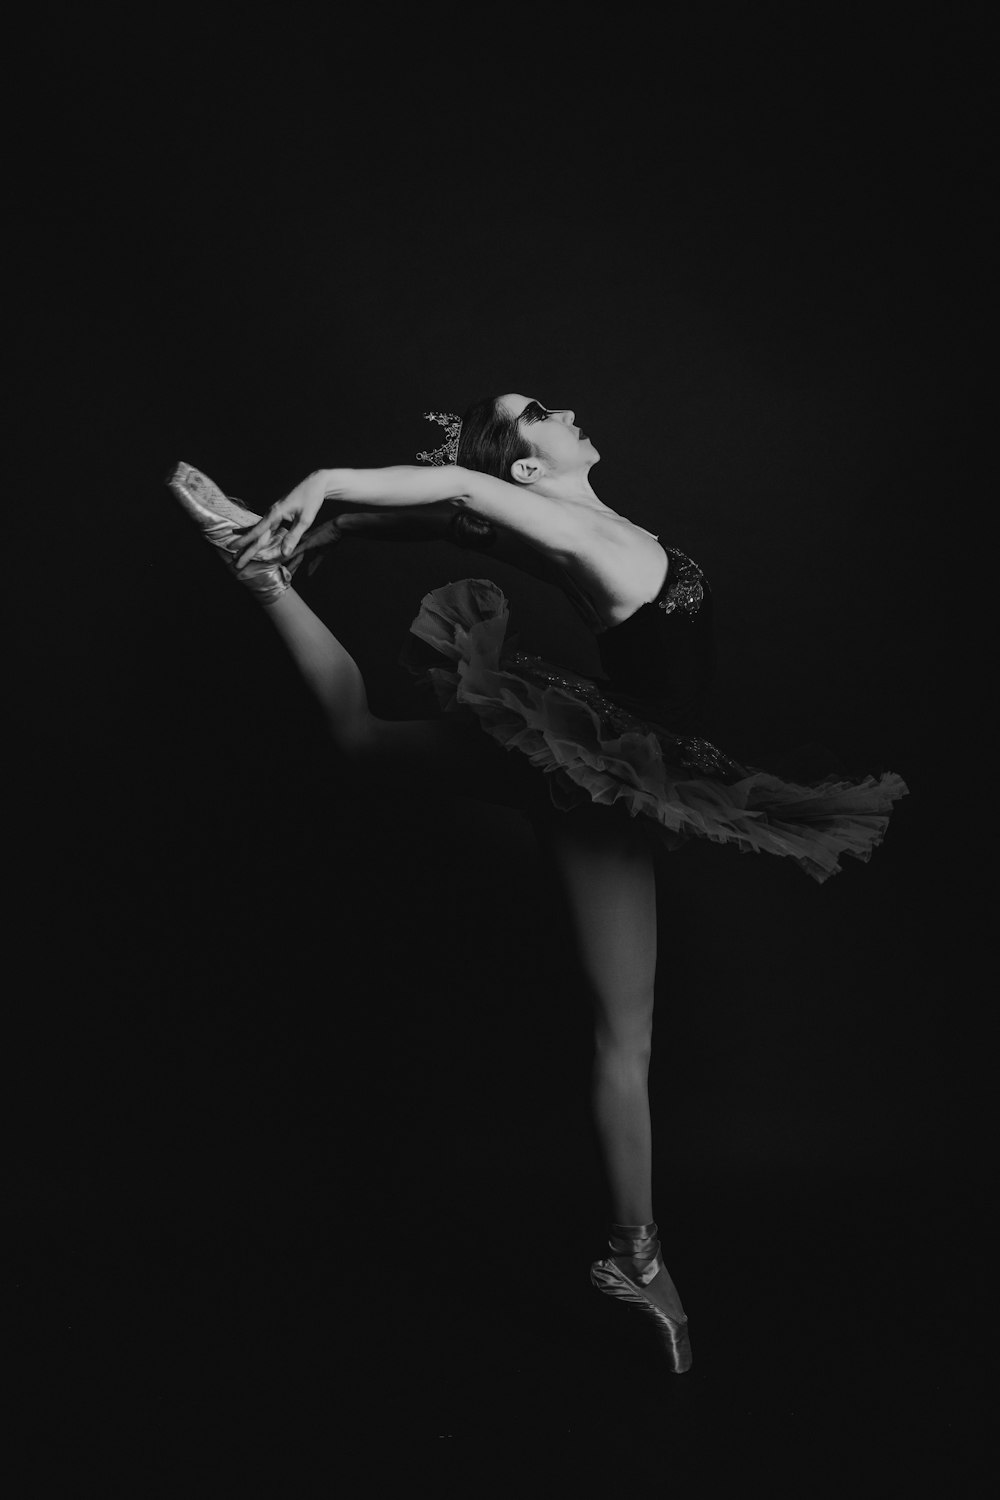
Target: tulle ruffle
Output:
[(591, 748)]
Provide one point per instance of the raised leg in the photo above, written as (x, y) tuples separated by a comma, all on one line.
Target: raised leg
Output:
[(452, 752)]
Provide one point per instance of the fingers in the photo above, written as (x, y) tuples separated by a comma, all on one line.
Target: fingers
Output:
[(267, 541), (253, 542), (258, 530), (299, 539), (315, 538), (260, 536), (268, 550), (292, 537), (252, 547)]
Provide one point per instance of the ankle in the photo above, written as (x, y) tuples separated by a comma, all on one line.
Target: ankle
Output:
[(638, 1244), (635, 1233)]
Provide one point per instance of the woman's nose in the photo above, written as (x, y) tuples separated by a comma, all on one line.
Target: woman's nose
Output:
[(569, 417)]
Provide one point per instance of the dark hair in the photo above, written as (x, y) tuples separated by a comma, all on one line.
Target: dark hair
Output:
[(490, 440)]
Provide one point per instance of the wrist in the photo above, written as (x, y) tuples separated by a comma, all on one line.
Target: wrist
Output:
[(332, 482)]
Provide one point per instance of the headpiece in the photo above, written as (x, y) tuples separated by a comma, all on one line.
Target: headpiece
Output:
[(448, 452)]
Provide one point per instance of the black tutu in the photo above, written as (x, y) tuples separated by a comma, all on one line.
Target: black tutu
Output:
[(625, 742)]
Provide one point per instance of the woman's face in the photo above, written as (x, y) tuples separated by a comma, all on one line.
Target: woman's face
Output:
[(553, 434)]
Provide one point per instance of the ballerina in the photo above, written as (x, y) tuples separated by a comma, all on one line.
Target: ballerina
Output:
[(603, 769)]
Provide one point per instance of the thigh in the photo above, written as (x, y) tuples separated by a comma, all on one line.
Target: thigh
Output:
[(603, 861)]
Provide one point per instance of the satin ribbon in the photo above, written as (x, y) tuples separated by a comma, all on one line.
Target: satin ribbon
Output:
[(640, 1242)]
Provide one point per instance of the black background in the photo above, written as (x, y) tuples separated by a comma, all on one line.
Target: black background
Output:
[(302, 1153)]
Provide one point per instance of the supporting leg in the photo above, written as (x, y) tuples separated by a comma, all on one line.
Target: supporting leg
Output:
[(604, 865)]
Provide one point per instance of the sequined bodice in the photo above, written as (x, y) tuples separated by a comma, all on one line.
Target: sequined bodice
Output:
[(660, 660), (684, 587)]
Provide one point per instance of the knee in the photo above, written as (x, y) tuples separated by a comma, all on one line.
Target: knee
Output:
[(625, 1041), (355, 738)]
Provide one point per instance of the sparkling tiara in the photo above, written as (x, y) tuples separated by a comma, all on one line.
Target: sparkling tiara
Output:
[(448, 452)]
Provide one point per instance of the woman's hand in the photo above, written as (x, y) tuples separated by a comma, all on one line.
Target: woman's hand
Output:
[(326, 534), (297, 512)]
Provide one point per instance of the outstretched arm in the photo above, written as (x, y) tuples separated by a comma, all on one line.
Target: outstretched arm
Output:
[(442, 521), (426, 523), (539, 521), (289, 519)]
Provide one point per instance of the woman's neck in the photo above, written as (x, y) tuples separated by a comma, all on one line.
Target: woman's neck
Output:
[(570, 489)]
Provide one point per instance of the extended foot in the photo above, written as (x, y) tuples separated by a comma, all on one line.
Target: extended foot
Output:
[(622, 1277), (660, 1291), (223, 522)]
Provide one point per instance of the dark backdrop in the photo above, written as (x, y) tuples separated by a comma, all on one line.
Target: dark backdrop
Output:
[(303, 1065)]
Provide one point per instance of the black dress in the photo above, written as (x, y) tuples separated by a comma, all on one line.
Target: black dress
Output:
[(631, 740)]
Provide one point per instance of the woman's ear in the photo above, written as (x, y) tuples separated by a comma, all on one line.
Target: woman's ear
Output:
[(525, 470)]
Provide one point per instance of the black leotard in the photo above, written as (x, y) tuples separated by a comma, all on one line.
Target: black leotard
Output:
[(660, 661)]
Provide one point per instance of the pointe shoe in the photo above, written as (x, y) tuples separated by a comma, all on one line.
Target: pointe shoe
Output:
[(635, 1273), (221, 521)]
